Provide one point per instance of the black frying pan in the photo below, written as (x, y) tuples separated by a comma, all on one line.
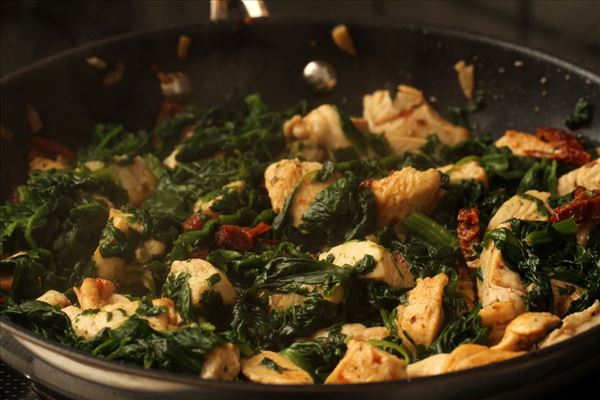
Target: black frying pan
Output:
[(526, 89)]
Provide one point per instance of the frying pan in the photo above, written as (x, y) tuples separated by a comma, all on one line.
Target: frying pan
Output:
[(526, 89)]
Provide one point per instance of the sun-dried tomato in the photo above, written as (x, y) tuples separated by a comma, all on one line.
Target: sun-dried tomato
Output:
[(234, 237), (468, 230), (585, 206), (41, 146), (193, 223), (568, 149), (240, 238)]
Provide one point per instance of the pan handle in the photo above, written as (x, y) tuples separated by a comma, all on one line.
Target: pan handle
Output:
[(219, 9)]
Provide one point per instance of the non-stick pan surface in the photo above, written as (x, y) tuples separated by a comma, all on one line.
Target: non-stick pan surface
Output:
[(525, 89)]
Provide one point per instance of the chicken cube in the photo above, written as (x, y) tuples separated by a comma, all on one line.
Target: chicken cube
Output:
[(386, 269), (403, 192), (523, 208), (136, 179), (204, 204), (294, 177), (574, 324), (522, 144), (221, 363), (468, 171), (364, 362), (526, 330), (433, 365), (357, 332), (272, 368), (322, 126), (54, 298), (408, 115), (587, 176), (204, 277), (422, 317)]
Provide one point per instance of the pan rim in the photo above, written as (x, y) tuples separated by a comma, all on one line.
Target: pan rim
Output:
[(533, 356)]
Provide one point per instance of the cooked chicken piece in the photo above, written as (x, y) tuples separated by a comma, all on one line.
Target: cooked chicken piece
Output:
[(116, 269), (364, 362), (520, 207), (136, 179), (287, 177), (574, 324), (498, 282), (386, 269), (46, 164), (403, 192), (432, 365), (95, 293), (305, 193), (405, 144), (203, 205), (321, 126), (422, 316), (521, 143), (204, 277), (500, 292), (526, 330), (307, 150), (466, 77), (273, 368), (88, 324), (55, 298), (498, 315), (587, 176), (408, 115), (221, 363), (482, 358), (467, 171), (462, 357), (357, 332), (564, 294)]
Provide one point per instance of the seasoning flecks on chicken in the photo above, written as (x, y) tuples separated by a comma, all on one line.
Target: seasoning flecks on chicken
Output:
[(526, 330), (422, 317), (564, 294), (386, 269), (200, 280), (403, 192), (269, 367), (364, 363), (408, 115), (574, 324), (587, 176), (294, 177)]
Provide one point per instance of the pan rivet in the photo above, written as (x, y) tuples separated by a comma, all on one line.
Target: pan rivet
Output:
[(320, 76)]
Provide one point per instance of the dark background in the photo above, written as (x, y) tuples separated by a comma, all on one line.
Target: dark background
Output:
[(33, 30)]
